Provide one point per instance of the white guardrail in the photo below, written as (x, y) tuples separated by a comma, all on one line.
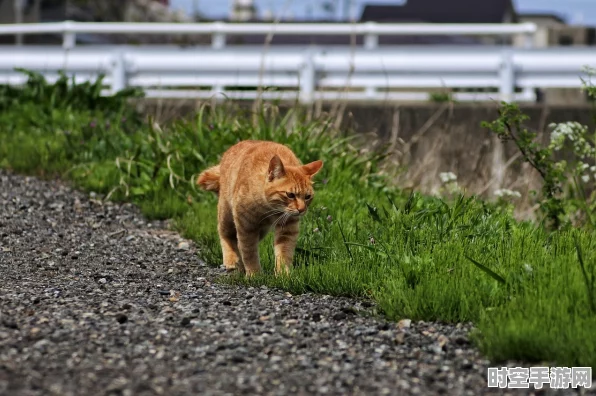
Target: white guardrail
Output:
[(220, 30), (308, 73)]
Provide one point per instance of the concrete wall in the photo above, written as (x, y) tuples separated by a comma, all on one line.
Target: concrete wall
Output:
[(430, 139)]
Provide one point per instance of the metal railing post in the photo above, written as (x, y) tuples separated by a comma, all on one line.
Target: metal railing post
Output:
[(307, 75), (218, 38), (371, 39), (118, 73), (68, 40), (18, 18), (69, 37), (370, 92), (217, 90), (528, 42), (507, 76)]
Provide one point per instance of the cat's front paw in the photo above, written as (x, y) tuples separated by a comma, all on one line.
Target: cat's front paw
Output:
[(283, 270), (250, 274)]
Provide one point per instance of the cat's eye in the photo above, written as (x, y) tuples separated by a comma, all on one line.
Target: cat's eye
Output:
[(291, 195), (308, 196)]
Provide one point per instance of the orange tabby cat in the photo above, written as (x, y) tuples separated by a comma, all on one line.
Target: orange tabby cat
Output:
[(261, 185)]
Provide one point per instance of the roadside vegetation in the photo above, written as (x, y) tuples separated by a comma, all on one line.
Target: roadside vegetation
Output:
[(528, 287)]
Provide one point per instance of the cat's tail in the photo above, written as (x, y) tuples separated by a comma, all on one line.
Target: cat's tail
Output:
[(209, 179)]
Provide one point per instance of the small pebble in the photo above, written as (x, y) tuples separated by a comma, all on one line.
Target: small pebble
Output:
[(404, 324)]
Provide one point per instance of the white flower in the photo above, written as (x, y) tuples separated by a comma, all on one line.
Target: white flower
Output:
[(573, 131), (528, 268), (507, 193), (447, 177), (585, 178)]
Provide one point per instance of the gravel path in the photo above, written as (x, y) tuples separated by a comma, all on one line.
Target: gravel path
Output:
[(96, 301)]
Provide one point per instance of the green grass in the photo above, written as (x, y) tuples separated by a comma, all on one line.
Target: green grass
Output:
[(418, 257)]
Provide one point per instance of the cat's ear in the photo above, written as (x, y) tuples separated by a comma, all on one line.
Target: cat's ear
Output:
[(313, 168), (276, 169)]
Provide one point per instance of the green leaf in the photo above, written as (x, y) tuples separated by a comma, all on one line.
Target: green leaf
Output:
[(137, 191), (374, 214), (487, 270)]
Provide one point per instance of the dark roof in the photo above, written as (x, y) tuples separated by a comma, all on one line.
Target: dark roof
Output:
[(556, 17), (441, 11)]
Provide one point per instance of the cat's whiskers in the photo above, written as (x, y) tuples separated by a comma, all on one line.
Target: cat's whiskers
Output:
[(272, 212), (279, 219), (275, 222), (286, 217)]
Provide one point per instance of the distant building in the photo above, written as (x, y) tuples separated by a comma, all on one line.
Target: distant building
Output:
[(243, 11), (542, 19), (35, 11), (553, 30), (443, 11), (58, 10)]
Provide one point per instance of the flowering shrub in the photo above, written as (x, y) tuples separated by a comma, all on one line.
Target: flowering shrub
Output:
[(564, 199)]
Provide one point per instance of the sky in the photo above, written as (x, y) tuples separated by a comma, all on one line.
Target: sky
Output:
[(574, 11)]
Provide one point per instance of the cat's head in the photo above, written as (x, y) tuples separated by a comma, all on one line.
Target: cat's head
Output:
[(290, 188)]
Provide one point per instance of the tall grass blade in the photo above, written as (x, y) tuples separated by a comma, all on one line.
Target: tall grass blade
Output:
[(589, 282), (488, 271)]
